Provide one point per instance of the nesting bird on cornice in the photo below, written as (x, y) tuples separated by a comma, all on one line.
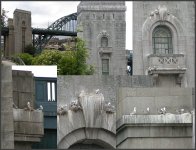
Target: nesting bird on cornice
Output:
[(147, 110), (134, 111), (14, 106), (29, 107), (40, 108), (162, 111), (97, 91), (181, 111)]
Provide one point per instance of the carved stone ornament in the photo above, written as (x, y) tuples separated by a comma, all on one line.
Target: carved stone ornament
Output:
[(62, 110), (161, 11), (75, 106)]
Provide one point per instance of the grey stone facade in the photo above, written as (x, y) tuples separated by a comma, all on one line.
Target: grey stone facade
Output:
[(7, 125), (148, 15), (144, 127), (104, 19), (20, 127)]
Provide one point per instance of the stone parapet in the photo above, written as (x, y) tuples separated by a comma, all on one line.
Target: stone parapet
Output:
[(165, 120), (28, 125), (155, 131)]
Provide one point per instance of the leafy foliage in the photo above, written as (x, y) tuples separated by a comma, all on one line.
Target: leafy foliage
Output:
[(30, 49), (69, 62), (27, 58)]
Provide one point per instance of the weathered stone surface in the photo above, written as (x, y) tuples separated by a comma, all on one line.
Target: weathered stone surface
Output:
[(104, 19), (7, 126), (91, 116), (23, 88), (28, 125), (180, 23)]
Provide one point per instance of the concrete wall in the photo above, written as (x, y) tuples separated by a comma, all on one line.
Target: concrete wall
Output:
[(23, 88), (69, 87), (91, 123), (181, 25), (7, 125), (104, 19), (28, 127), (152, 130), (154, 98)]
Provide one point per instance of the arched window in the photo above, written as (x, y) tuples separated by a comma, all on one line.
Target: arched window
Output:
[(104, 42), (162, 40)]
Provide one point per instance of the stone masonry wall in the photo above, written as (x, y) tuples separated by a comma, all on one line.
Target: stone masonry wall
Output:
[(184, 44), (23, 88), (7, 124)]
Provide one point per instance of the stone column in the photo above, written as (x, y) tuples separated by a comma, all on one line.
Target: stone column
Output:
[(7, 126)]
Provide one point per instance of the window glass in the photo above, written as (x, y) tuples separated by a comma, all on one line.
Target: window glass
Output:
[(104, 42), (162, 40), (105, 66), (51, 91)]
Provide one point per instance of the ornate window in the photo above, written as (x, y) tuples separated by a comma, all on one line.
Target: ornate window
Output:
[(162, 40), (105, 66), (104, 42)]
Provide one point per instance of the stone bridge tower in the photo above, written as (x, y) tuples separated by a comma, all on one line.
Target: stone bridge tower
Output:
[(20, 32), (102, 25)]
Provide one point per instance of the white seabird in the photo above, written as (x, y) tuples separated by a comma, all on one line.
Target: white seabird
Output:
[(14, 106), (134, 111), (97, 91), (162, 111)]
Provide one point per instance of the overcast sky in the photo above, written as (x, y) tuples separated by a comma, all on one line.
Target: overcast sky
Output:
[(45, 13)]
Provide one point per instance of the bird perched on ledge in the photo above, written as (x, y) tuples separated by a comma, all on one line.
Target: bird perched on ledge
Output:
[(134, 111), (97, 91), (40, 108), (29, 107), (147, 110), (14, 106), (162, 111)]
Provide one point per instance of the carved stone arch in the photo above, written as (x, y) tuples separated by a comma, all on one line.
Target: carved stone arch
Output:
[(161, 16), (103, 34), (98, 136)]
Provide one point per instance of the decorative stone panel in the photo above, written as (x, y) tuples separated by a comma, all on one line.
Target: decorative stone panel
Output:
[(166, 64)]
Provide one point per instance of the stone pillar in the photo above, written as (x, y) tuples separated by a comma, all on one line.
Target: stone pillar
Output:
[(7, 123), (9, 45), (22, 20)]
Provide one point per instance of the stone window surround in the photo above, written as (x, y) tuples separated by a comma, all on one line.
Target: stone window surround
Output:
[(177, 31), (102, 34)]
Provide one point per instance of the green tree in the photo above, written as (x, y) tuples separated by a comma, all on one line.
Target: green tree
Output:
[(30, 49), (27, 58), (69, 62)]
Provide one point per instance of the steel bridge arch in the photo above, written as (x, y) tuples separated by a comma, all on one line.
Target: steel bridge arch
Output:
[(70, 24)]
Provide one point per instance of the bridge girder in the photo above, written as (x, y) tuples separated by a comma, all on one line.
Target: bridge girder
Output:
[(56, 28)]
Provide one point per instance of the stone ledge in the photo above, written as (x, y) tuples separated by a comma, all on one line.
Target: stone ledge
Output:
[(28, 116), (155, 120), (27, 138), (28, 125)]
